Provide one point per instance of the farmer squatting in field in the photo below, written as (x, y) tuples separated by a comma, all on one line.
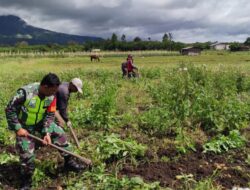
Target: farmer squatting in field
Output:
[(32, 110), (129, 69)]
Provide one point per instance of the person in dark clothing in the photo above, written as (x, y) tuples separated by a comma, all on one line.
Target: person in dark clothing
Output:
[(124, 69), (63, 95)]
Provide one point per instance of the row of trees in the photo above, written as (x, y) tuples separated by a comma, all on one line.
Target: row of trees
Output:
[(119, 44), (137, 43), (113, 43)]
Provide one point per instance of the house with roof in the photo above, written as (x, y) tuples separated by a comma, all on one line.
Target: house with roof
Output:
[(220, 46), (191, 51)]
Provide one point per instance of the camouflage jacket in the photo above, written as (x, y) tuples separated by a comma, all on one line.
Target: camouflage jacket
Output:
[(15, 105)]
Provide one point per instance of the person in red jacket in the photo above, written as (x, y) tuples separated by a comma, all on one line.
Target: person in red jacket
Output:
[(129, 69)]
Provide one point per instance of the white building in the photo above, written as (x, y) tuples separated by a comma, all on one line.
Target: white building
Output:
[(220, 46)]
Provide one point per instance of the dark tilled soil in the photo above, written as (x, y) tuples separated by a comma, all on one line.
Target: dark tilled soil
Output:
[(10, 176), (169, 152), (231, 169)]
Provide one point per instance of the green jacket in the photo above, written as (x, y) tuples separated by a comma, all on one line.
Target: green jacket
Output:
[(27, 109)]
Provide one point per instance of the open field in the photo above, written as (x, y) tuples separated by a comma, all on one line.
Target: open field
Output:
[(184, 124)]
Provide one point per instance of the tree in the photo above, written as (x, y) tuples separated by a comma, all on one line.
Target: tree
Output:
[(137, 39), (112, 45), (202, 45), (235, 46), (170, 37), (123, 38), (114, 38), (247, 42), (165, 38)]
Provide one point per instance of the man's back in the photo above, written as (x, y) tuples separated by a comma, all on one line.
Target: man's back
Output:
[(62, 97)]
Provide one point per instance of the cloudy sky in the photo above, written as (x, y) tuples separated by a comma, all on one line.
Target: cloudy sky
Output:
[(187, 20)]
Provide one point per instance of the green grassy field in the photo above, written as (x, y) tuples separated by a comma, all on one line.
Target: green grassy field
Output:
[(172, 128), (212, 59)]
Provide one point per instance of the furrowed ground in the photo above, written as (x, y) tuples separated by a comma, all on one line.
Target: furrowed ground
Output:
[(184, 124)]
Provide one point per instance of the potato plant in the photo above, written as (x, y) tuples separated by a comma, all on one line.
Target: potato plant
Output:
[(177, 107)]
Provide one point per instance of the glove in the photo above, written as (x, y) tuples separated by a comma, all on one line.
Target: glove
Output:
[(69, 124)]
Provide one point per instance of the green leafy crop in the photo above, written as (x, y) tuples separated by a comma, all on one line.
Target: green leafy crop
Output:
[(224, 143)]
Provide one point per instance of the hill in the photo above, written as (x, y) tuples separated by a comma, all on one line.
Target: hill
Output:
[(14, 29)]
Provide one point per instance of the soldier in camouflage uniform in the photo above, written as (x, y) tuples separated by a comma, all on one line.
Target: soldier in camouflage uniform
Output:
[(32, 110)]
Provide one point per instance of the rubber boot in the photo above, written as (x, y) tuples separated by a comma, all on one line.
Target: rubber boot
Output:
[(26, 183), (27, 170)]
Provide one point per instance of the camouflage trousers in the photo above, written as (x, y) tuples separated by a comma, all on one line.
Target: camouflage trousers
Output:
[(26, 146)]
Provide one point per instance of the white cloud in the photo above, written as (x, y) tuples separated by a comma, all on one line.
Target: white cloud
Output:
[(188, 20)]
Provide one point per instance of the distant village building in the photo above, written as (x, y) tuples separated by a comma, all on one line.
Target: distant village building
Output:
[(96, 50), (191, 51), (220, 46)]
